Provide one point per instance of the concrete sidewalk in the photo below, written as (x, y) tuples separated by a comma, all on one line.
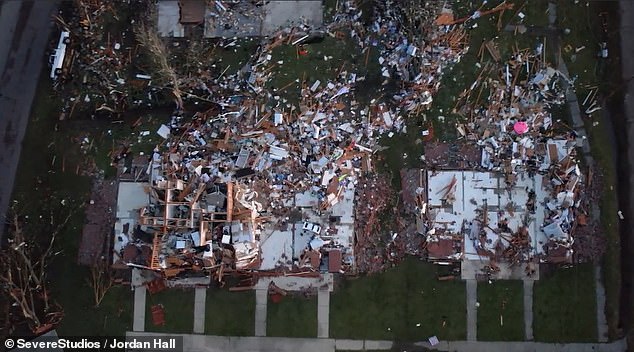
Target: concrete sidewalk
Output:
[(138, 319), (200, 299), (482, 346), (323, 312), (602, 323), (472, 312), (528, 309), (206, 343), (261, 300)]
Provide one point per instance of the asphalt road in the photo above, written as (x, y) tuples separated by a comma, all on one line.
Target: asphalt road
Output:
[(24, 32)]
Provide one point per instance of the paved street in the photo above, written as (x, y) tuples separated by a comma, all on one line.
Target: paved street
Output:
[(24, 28)]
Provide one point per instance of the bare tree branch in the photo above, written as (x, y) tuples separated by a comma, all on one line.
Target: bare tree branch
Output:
[(147, 36), (101, 280), (23, 269)]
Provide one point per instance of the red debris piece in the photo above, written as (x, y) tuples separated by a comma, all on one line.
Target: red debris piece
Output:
[(158, 315)]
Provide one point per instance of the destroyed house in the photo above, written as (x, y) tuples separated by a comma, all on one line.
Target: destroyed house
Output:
[(515, 215), (510, 188), (174, 226), (294, 170), (309, 244), (204, 229)]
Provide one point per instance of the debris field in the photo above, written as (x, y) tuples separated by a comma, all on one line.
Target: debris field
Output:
[(248, 180)]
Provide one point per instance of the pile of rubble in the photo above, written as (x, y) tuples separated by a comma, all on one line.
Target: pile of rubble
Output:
[(414, 51), (228, 178), (319, 144), (589, 246), (99, 216), (372, 199), (98, 76), (234, 18)]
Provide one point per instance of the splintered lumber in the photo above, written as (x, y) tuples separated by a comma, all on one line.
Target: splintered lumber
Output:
[(198, 193), (493, 50), (274, 289), (445, 18), (156, 247), (185, 192), (229, 201), (448, 189), (241, 288), (172, 272), (501, 7)]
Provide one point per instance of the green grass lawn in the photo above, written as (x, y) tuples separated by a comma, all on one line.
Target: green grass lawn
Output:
[(294, 316), (41, 185), (405, 303), (232, 58), (230, 313), (585, 34), (502, 299), (179, 311), (601, 146), (113, 317), (564, 306), (324, 61)]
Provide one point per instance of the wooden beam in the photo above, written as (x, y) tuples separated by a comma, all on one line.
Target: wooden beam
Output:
[(241, 288), (199, 192), (229, 201)]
